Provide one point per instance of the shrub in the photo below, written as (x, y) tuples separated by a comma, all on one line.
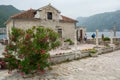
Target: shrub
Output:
[(27, 50), (70, 41), (93, 51), (106, 39)]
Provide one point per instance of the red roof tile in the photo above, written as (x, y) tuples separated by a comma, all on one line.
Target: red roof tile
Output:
[(29, 14), (67, 19)]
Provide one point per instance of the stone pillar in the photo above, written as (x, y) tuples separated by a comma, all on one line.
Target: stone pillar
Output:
[(111, 38), (96, 38), (75, 42), (114, 30)]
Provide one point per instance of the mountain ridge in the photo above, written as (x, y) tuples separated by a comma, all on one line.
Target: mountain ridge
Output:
[(5, 12), (102, 21)]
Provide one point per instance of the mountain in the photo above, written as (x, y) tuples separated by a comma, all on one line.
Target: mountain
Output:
[(103, 21), (5, 12)]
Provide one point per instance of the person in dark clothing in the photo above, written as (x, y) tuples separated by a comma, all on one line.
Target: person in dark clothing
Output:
[(85, 38), (103, 37), (93, 35)]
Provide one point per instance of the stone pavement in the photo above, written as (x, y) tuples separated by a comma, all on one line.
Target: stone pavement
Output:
[(1, 49), (3, 74), (103, 67)]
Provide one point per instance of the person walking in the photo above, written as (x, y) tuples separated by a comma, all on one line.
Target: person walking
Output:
[(85, 38)]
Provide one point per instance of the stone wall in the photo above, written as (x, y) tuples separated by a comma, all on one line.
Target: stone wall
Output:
[(42, 13), (68, 29), (26, 24), (9, 25)]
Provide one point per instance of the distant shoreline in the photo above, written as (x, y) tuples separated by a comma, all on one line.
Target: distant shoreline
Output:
[(2, 33)]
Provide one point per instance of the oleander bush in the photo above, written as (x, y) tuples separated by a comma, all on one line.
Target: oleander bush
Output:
[(27, 50), (70, 41)]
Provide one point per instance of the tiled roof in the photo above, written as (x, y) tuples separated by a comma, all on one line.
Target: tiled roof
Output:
[(29, 14), (67, 19)]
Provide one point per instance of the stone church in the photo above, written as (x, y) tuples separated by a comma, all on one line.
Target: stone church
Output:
[(47, 16)]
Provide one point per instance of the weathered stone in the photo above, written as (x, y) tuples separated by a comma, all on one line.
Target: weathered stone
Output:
[(84, 55)]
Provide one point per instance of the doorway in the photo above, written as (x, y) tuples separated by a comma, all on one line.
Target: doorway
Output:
[(81, 35)]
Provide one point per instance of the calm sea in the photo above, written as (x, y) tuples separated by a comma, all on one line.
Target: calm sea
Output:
[(2, 36), (106, 34)]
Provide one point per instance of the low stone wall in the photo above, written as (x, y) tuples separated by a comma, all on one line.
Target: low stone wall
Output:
[(106, 50), (117, 48), (64, 57)]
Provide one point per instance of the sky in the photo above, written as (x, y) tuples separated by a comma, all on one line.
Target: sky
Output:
[(70, 8)]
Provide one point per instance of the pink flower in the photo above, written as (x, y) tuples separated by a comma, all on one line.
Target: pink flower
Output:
[(42, 51), (19, 66), (6, 50), (38, 66), (27, 36), (2, 62)]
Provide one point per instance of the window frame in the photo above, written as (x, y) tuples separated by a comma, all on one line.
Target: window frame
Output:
[(49, 15)]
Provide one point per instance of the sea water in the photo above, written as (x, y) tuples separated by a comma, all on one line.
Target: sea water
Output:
[(2, 36), (106, 34)]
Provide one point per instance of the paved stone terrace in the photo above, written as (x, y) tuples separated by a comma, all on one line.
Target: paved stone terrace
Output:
[(73, 48), (103, 67)]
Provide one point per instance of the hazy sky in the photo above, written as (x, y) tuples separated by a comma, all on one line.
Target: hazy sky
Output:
[(71, 8)]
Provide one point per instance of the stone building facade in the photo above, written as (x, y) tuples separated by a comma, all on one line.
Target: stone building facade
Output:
[(80, 33), (47, 16)]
